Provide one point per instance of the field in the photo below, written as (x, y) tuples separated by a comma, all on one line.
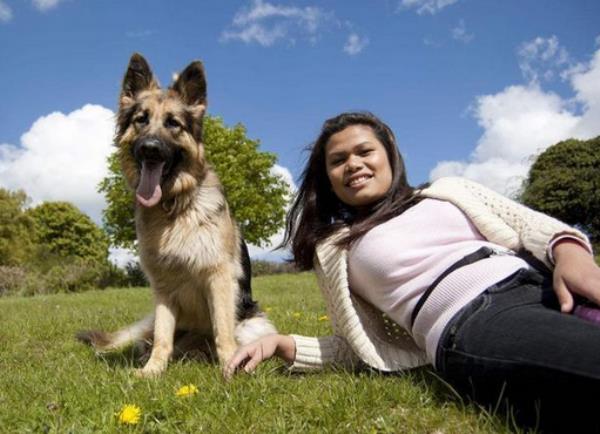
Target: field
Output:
[(51, 383)]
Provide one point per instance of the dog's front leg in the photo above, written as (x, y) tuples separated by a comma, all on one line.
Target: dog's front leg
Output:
[(164, 331), (222, 297)]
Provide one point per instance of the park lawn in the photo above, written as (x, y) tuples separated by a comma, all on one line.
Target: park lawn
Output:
[(51, 383)]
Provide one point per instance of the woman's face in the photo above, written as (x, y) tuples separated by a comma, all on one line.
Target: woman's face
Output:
[(357, 166)]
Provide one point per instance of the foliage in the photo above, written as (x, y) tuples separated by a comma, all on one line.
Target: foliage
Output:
[(261, 268), (257, 197), (16, 228), (66, 232), (52, 383), (564, 182)]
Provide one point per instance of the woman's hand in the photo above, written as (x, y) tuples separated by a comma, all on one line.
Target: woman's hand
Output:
[(249, 356), (575, 273)]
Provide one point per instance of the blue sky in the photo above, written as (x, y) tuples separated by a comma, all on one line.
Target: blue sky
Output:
[(470, 87)]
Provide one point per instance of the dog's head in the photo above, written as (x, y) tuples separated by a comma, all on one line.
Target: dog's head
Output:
[(159, 131)]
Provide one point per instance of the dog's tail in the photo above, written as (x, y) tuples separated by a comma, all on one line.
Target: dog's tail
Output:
[(103, 341), (253, 328)]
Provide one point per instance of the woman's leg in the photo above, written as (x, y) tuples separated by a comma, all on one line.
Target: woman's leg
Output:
[(513, 345)]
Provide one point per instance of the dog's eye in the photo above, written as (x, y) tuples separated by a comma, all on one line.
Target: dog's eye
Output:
[(141, 119), (172, 123)]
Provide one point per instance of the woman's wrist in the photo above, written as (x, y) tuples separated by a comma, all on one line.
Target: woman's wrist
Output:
[(286, 348), (567, 247)]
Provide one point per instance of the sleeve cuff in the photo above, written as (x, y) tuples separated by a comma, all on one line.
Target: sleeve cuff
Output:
[(314, 353), (553, 243)]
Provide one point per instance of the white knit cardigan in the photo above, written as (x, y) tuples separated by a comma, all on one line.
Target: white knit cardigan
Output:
[(362, 333)]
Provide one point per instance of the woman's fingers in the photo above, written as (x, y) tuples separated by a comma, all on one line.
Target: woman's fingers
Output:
[(235, 362), (565, 298)]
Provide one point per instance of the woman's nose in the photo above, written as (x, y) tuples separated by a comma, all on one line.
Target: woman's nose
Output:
[(353, 164)]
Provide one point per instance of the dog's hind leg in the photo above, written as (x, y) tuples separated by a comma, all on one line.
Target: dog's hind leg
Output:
[(164, 333), (103, 341)]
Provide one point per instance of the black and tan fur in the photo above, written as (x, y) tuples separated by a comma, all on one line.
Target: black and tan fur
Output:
[(190, 247)]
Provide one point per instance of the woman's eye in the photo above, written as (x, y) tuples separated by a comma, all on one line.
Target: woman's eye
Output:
[(172, 123), (365, 152)]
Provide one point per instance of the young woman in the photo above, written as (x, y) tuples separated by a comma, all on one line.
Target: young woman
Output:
[(436, 275)]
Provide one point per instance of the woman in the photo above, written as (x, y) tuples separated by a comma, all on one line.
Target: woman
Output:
[(439, 262)]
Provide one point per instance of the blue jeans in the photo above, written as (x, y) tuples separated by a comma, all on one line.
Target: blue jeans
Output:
[(512, 347)]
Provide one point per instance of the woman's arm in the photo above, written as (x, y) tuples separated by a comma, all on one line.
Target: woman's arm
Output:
[(302, 353), (575, 272)]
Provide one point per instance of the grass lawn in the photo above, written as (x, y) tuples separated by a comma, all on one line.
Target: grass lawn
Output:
[(51, 383)]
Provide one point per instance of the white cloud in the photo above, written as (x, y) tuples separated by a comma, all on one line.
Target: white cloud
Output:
[(265, 23), (426, 6), (62, 158), (460, 33), (541, 58), (355, 44), (5, 12), (521, 121), (44, 5)]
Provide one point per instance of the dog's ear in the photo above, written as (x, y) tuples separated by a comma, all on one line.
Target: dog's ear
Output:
[(191, 86), (138, 77)]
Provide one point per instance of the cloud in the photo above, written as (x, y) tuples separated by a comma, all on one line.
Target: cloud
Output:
[(45, 5), (523, 120), (62, 158), (460, 33), (541, 58), (265, 24), (355, 44), (5, 12), (426, 6)]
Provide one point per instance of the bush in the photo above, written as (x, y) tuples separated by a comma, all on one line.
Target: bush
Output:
[(261, 268)]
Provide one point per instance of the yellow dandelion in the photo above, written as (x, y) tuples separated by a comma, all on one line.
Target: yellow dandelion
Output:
[(324, 318), (296, 314), (268, 309), (188, 390), (130, 414)]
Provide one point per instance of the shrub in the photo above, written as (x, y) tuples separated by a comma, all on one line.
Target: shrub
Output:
[(261, 268)]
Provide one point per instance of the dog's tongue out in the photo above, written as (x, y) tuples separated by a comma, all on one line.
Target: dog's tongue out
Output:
[(148, 192)]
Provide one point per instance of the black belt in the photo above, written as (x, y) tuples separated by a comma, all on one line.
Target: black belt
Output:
[(482, 253)]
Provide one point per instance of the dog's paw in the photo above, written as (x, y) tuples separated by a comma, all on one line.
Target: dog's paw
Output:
[(225, 354), (152, 369)]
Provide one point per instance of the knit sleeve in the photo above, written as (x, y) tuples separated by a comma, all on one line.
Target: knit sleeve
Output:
[(534, 230), (316, 352)]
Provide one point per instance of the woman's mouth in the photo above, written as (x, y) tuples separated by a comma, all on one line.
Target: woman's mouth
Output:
[(358, 181)]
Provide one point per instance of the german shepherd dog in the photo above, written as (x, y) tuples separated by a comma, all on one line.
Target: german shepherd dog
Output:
[(190, 247)]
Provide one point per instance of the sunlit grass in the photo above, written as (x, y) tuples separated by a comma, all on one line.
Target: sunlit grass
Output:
[(51, 383)]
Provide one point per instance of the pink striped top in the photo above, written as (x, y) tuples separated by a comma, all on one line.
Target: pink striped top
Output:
[(393, 264)]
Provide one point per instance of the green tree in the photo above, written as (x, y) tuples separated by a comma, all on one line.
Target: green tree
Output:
[(16, 228), (65, 232), (564, 182), (257, 197)]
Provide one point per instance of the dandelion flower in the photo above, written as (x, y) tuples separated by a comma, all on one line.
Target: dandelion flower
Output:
[(323, 318), (130, 414), (268, 309), (188, 390), (296, 314)]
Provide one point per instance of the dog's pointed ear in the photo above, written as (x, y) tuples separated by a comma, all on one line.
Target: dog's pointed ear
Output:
[(138, 77), (191, 86)]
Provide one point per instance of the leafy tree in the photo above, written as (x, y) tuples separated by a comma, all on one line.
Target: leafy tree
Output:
[(65, 232), (16, 228), (564, 182), (257, 198)]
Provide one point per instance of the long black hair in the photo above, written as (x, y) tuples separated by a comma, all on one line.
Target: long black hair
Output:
[(317, 212)]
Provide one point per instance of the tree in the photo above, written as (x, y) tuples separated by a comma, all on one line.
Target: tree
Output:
[(16, 228), (256, 196), (564, 182), (65, 232)]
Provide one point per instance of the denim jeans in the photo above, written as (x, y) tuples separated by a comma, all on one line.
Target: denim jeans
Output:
[(512, 348)]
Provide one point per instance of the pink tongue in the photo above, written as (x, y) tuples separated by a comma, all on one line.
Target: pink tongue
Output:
[(148, 192)]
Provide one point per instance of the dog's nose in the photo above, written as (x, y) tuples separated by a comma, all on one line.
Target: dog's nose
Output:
[(150, 148)]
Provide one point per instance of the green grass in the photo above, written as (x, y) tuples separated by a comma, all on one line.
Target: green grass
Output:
[(51, 383)]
